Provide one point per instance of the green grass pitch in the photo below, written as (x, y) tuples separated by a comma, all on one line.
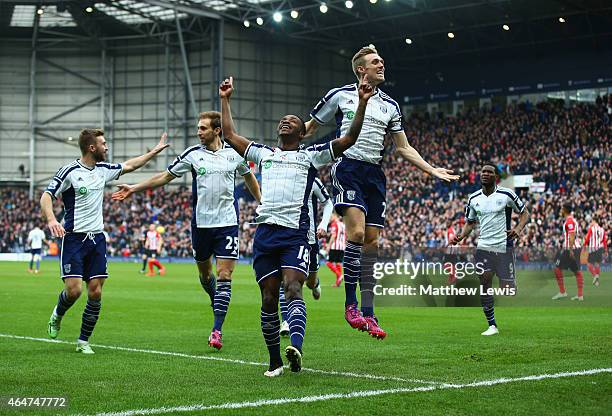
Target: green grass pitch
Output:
[(148, 317)]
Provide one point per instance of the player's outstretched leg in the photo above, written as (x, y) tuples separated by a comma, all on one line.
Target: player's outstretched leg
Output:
[(270, 324), (284, 328)]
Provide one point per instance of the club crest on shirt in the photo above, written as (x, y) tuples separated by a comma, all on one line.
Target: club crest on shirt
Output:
[(383, 109), (350, 195), (499, 202)]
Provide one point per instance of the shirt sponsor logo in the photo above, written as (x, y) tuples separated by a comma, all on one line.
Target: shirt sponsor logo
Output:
[(267, 164), (82, 190), (202, 171), (350, 115)]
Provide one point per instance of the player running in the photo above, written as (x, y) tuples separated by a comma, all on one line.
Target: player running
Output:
[(359, 183), (492, 207), (83, 258), (281, 250), (214, 225), (568, 256)]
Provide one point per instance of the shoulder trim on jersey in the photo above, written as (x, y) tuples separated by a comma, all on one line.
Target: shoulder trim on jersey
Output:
[(260, 145), (61, 171), (503, 188), (511, 194), (326, 98), (334, 91), (66, 172), (189, 150), (474, 195), (180, 157), (108, 165)]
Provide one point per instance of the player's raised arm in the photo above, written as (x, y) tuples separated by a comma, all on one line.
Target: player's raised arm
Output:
[(153, 182), (410, 154), (365, 91), (230, 135), (137, 162)]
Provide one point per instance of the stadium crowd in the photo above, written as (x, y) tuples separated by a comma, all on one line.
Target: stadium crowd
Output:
[(567, 148)]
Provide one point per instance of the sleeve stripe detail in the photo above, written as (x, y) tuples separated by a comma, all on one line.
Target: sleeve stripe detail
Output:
[(172, 173), (329, 95)]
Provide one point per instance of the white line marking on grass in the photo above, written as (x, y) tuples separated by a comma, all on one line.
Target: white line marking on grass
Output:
[(230, 360), (356, 394)]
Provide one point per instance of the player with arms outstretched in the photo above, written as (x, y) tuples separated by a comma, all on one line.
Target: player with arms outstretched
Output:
[(83, 259), (281, 250), (359, 183), (214, 224)]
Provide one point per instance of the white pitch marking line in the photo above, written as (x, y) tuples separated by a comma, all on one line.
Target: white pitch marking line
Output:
[(231, 360), (356, 394)]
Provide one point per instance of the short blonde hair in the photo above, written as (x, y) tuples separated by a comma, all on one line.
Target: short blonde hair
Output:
[(213, 116), (358, 58)]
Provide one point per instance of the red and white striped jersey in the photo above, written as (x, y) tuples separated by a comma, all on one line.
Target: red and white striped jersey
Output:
[(450, 234), (570, 227), (338, 232), (595, 238), (153, 240)]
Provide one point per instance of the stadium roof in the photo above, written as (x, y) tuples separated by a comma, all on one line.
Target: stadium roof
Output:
[(408, 31)]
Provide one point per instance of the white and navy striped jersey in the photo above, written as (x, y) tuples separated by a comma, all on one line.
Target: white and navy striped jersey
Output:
[(82, 191), (36, 238), (382, 115), (286, 181), (213, 177), (318, 194), (494, 213)]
